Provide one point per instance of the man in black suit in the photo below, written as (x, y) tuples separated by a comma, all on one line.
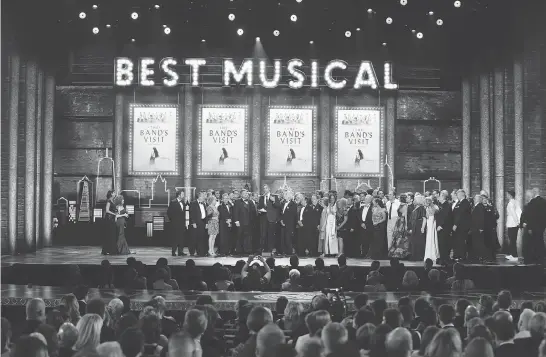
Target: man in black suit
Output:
[(311, 226), (533, 221), (504, 331), (289, 219), (365, 225), (269, 211), (244, 215), (478, 252), (352, 242), (461, 225), (299, 242), (177, 216), (444, 226), (198, 236), (224, 216)]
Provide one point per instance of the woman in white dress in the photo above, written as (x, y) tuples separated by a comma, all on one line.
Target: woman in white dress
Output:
[(431, 247), (331, 245)]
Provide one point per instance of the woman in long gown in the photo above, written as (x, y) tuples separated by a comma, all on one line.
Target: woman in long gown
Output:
[(417, 229), (342, 218), (109, 235), (378, 244), (323, 220), (431, 248), (400, 241), (213, 226), (331, 246), (121, 242)]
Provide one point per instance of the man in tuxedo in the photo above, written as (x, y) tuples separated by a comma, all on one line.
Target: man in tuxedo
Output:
[(392, 216), (461, 225), (351, 243), (301, 201), (289, 219), (198, 215), (244, 216), (177, 216), (365, 225), (533, 221), (224, 219), (444, 226), (479, 252), (311, 225), (269, 211)]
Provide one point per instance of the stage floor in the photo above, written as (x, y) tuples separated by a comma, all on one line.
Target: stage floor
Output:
[(87, 255)]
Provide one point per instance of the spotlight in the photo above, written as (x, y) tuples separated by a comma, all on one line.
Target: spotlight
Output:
[(156, 6), (294, 18), (457, 3), (439, 22), (384, 44), (108, 26), (419, 35), (95, 30), (83, 15), (240, 32), (95, 7), (134, 15), (431, 13), (203, 40), (132, 40), (358, 28), (347, 33), (388, 20), (276, 33), (370, 11), (298, 0), (257, 39), (164, 26), (311, 42), (167, 30), (231, 17), (403, 2), (413, 31)]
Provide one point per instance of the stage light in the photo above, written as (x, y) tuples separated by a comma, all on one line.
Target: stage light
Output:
[(124, 72), (413, 31), (298, 1), (165, 64), (292, 66), (167, 30), (419, 35), (108, 26), (387, 79), (439, 22), (276, 75), (365, 70), (95, 30), (231, 17), (370, 11), (333, 84), (83, 15), (195, 63), (431, 13), (311, 42), (240, 32), (457, 3), (384, 44), (132, 40), (294, 18), (276, 33), (134, 15), (95, 7), (164, 26), (238, 75), (389, 20), (347, 33), (156, 6), (403, 2), (146, 71), (203, 40), (314, 74), (358, 28), (257, 39)]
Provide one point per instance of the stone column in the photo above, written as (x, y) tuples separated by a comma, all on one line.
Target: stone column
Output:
[(256, 146), (13, 117), (39, 144), (467, 108), (49, 129), (30, 153), (499, 150), (390, 118), (326, 141), (518, 130), (188, 135), (118, 142), (485, 136)]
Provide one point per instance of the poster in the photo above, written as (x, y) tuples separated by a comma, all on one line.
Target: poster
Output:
[(153, 143), (359, 142), (292, 141), (223, 140)]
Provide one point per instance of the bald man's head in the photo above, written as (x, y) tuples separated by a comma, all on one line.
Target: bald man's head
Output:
[(399, 343), (268, 340), (36, 310), (181, 344)]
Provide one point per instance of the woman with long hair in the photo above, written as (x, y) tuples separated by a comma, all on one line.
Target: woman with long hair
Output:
[(89, 328), (213, 226), (446, 343), (400, 241), (293, 316), (322, 226), (71, 307), (342, 218), (331, 246), (110, 232), (417, 229), (379, 218), (432, 250), (121, 221)]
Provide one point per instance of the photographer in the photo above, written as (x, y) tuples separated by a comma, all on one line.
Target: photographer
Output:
[(253, 280)]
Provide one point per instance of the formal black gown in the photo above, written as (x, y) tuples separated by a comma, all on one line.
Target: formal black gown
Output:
[(109, 237), (417, 239), (122, 248)]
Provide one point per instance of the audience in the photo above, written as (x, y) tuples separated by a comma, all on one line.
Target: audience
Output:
[(399, 343), (479, 347), (89, 332), (68, 335)]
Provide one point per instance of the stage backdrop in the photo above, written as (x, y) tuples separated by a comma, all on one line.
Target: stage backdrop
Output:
[(291, 149), (359, 142), (153, 143), (223, 140)]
